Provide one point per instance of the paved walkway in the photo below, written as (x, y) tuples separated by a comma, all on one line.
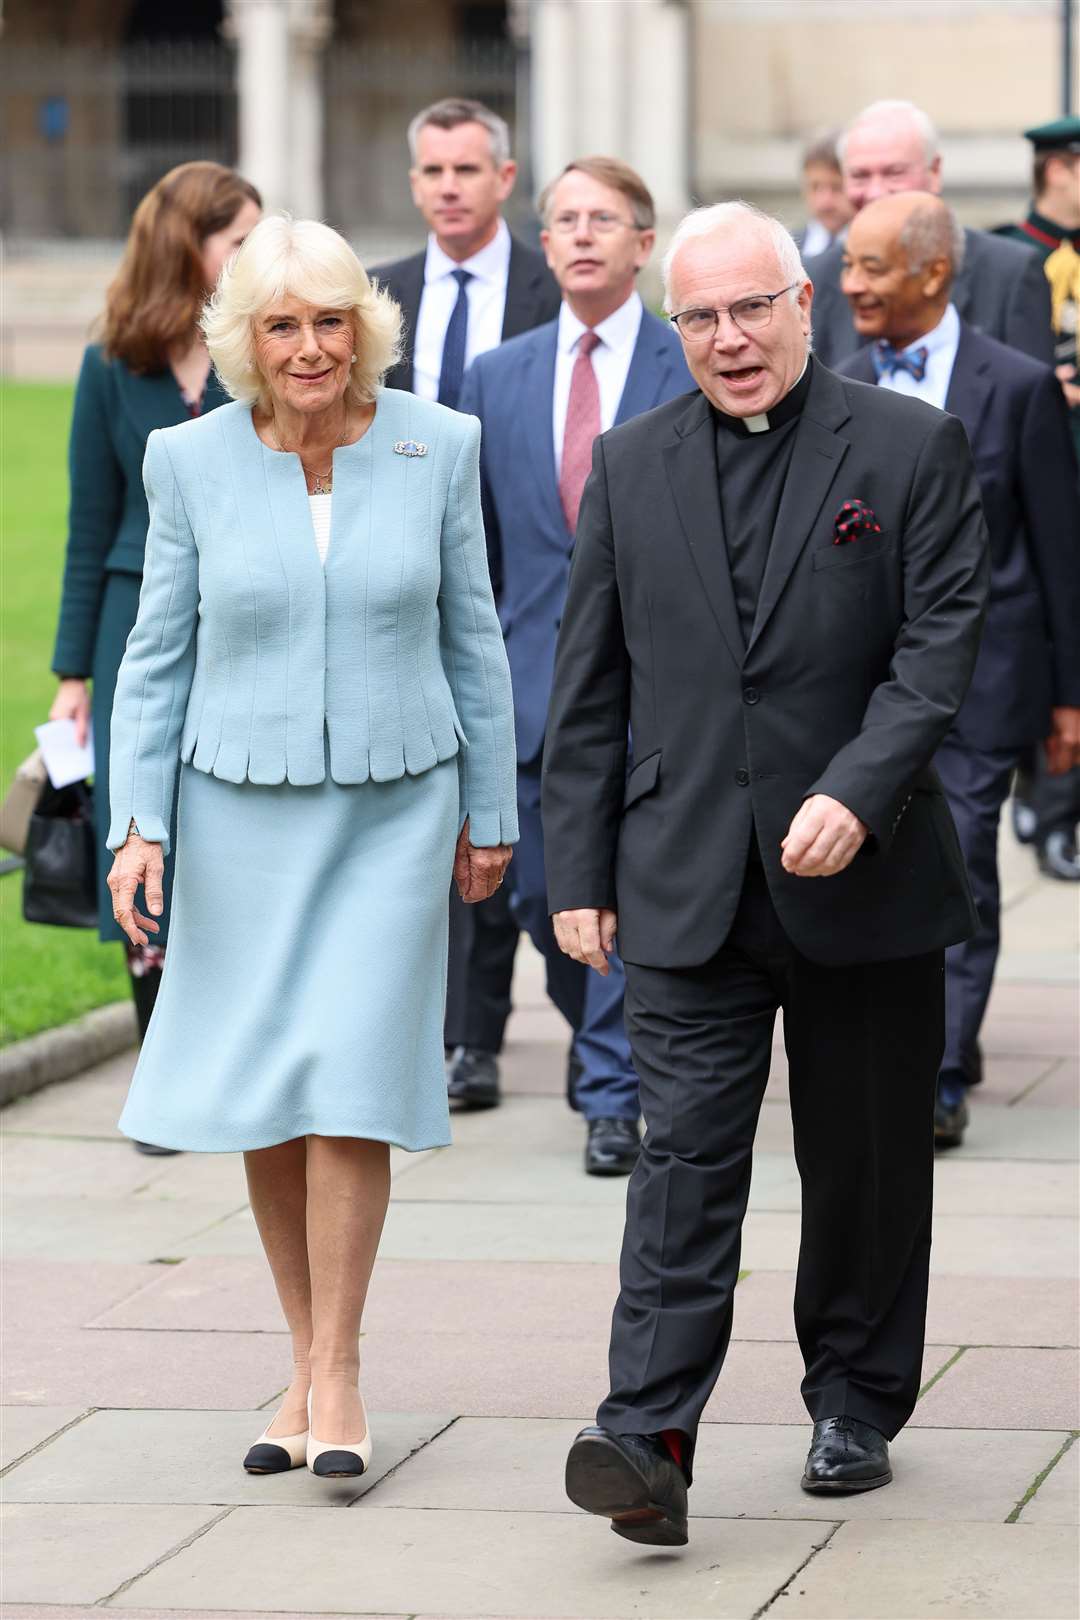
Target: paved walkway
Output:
[(144, 1340)]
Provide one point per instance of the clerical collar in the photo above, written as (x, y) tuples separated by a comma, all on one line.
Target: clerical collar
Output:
[(784, 411)]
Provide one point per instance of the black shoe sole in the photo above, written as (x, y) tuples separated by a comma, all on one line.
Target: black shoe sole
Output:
[(152, 1150), (948, 1139), (624, 1169), (472, 1105), (601, 1479), (844, 1487)]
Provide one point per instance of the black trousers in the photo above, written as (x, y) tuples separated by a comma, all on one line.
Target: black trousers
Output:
[(863, 1043), (480, 971), (976, 783)]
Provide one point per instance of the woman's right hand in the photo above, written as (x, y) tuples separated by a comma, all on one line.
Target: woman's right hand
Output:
[(72, 702), (137, 861)]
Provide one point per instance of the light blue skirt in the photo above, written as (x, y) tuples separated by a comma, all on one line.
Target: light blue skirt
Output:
[(305, 977)]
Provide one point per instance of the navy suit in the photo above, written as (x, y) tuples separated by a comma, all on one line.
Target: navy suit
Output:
[(511, 390), (1029, 656)]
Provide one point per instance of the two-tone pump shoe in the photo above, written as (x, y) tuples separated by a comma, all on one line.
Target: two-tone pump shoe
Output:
[(330, 1461), (276, 1454)]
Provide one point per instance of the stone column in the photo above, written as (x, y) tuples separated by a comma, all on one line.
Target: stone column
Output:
[(278, 43), (612, 76)]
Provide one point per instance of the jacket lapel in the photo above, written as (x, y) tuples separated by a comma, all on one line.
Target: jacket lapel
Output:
[(537, 392), (650, 366), (522, 278), (153, 399), (970, 385), (408, 292), (961, 290), (691, 468), (815, 462)]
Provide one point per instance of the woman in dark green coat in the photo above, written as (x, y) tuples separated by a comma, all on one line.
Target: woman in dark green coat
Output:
[(150, 370)]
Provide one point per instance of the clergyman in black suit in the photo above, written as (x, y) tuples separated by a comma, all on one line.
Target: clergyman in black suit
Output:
[(470, 288), (892, 146), (777, 588), (900, 261)]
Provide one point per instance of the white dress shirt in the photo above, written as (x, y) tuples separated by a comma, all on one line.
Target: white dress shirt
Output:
[(941, 345), (320, 522), (486, 293), (816, 239), (611, 363)]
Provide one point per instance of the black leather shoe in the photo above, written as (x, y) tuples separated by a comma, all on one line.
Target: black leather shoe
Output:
[(574, 1071), (632, 1480), (846, 1455), (612, 1147), (950, 1123), (152, 1150), (472, 1078), (1058, 857)]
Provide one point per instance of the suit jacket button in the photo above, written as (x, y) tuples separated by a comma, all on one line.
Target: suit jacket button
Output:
[(742, 778), (751, 695)]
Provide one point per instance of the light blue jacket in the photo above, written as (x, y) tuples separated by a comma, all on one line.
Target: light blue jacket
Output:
[(246, 649)]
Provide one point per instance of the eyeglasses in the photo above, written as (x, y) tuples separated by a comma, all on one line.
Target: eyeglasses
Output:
[(695, 325), (599, 220)]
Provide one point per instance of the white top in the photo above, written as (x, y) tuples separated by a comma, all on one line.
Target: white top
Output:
[(941, 345), (816, 239), (320, 522), (611, 362), (486, 294)]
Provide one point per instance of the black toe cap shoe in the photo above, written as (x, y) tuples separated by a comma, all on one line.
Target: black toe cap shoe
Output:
[(632, 1480), (612, 1147), (846, 1455), (472, 1078)]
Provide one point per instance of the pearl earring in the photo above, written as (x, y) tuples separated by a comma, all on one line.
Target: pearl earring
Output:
[(354, 359)]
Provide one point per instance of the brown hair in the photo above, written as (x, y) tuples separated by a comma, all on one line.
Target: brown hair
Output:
[(609, 172), (1043, 161), (156, 296), (822, 151)]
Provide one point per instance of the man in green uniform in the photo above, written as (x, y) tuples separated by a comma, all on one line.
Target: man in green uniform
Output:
[(1052, 228), (1045, 810)]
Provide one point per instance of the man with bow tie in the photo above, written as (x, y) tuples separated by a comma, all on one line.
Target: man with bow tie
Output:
[(778, 586), (900, 261)]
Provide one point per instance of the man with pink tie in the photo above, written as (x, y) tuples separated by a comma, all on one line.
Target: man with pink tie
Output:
[(542, 399)]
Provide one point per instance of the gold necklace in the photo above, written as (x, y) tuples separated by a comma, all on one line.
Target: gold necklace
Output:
[(324, 481)]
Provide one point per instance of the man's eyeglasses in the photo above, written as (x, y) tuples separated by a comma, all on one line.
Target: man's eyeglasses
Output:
[(695, 325), (599, 220)]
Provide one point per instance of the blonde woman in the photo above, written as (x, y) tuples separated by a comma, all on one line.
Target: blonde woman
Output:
[(317, 648)]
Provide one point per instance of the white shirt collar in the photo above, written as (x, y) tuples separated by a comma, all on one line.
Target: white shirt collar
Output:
[(945, 335), (760, 423), (617, 332), (491, 263)]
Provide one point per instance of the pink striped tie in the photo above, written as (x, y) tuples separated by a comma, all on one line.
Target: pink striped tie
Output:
[(582, 426)]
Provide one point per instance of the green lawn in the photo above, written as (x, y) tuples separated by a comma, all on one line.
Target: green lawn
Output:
[(47, 975)]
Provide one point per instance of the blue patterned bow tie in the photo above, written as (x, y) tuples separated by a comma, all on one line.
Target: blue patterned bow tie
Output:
[(888, 361)]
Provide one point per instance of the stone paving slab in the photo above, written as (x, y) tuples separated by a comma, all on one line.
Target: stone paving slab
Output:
[(58, 1228), (1057, 1500), (1018, 1311), (1006, 1389), (474, 1564), (66, 1611), (40, 1294), (741, 1471), (1005, 1246), (974, 1188), (998, 1131), (1026, 1037), (1058, 1089), (93, 1368), (934, 1571), (81, 1554), (24, 1427), (195, 1457), (86, 1107)]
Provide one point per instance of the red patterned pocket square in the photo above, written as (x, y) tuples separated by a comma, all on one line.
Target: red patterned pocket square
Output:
[(854, 519)]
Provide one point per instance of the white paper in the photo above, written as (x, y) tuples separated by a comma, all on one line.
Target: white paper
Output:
[(64, 760)]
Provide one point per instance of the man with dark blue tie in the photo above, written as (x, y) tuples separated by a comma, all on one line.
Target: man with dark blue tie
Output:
[(542, 400), (473, 286)]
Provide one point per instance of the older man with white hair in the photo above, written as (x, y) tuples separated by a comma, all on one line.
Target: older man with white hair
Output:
[(893, 146), (777, 589)]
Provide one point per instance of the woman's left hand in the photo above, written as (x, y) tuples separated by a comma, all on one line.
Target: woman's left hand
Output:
[(478, 872)]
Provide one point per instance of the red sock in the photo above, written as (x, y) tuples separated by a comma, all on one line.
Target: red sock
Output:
[(675, 1441)]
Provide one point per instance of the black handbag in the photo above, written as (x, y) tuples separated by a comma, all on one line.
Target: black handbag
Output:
[(60, 882)]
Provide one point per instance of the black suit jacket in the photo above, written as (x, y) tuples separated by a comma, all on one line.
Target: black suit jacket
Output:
[(532, 297), (1018, 427), (1005, 295), (859, 660)]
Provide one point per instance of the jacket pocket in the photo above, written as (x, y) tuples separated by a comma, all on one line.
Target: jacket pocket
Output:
[(642, 779), (853, 551)]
